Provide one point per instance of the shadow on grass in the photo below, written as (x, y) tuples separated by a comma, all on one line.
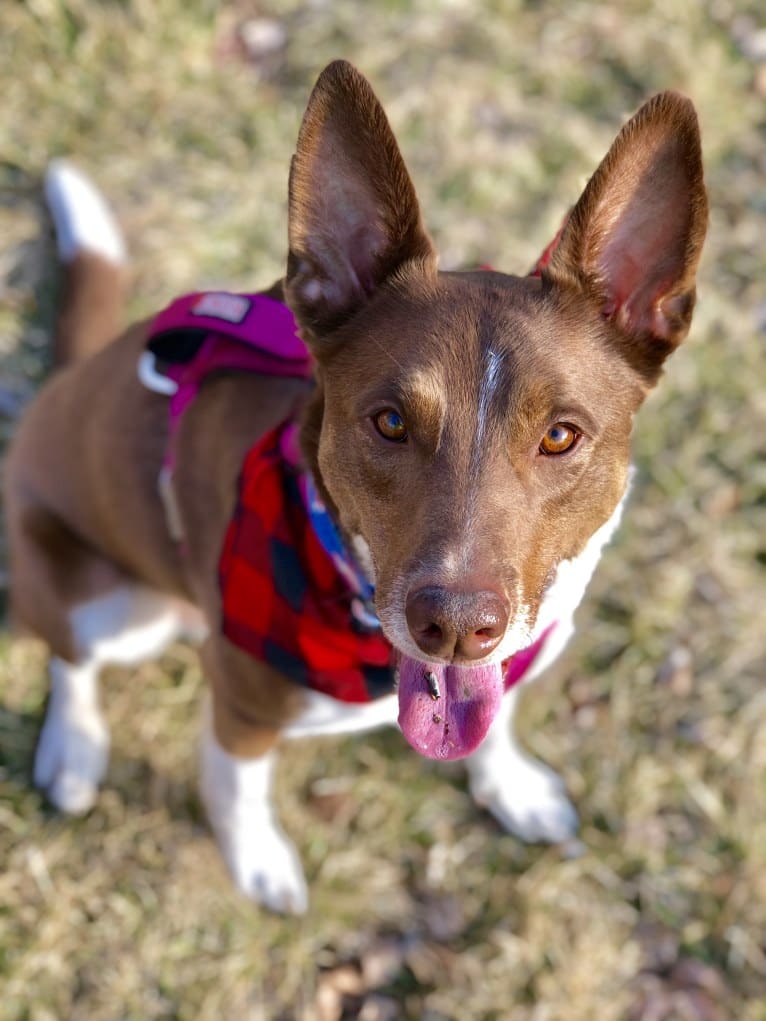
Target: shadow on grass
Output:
[(18, 736), (31, 284)]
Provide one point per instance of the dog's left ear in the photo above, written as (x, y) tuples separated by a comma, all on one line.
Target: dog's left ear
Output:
[(634, 239), (354, 218)]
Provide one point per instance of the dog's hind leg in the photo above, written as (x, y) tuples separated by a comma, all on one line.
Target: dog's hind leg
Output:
[(126, 625), (73, 748), (526, 797), (89, 613)]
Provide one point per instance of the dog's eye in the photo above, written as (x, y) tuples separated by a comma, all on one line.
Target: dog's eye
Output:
[(559, 439), (390, 425)]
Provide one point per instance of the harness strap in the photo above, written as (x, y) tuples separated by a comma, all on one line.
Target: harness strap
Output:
[(206, 332)]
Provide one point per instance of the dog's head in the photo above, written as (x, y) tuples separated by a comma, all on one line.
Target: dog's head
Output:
[(471, 430)]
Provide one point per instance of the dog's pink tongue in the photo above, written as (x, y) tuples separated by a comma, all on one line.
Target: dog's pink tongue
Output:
[(445, 711)]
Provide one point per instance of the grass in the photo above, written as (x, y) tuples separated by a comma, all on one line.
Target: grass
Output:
[(421, 908)]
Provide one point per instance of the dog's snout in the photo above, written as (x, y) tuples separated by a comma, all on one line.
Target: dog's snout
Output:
[(456, 626)]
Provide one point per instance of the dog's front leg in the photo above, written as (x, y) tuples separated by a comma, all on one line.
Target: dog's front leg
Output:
[(241, 726), (527, 798), (237, 796)]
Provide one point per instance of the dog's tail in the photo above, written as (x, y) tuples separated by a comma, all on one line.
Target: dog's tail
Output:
[(92, 250)]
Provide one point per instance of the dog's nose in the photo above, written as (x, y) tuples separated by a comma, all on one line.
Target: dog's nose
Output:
[(456, 625)]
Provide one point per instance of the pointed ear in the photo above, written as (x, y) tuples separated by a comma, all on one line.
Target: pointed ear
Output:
[(354, 218), (634, 239)]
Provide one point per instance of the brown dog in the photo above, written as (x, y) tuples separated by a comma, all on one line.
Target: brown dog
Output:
[(468, 433)]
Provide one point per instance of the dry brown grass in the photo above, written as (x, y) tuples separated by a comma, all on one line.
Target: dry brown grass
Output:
[(421, 907)]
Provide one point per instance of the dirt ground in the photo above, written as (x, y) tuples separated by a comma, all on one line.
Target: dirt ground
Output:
[(186, 114)]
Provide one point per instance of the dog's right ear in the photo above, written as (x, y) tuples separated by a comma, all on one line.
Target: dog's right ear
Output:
[(354, 218)]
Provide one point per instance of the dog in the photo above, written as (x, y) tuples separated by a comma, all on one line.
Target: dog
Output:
[(457, 442)]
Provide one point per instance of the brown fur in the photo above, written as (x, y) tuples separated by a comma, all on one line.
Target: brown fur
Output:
[(91, 311), (582, 345)]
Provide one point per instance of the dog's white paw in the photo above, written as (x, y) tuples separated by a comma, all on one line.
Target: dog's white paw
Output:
[(236, 794), (71, 759), (527, 799), (264, 865)]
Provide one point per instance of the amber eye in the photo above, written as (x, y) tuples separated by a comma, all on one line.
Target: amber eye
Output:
[(559, 439), (390, 425)]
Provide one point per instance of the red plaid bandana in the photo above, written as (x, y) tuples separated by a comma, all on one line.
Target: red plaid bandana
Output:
[(284, 600)]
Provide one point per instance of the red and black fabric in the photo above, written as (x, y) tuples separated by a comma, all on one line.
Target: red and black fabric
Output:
[(284, 601)]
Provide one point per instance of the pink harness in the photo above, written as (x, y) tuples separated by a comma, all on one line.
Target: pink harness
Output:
[(202, 333), (212, 331)]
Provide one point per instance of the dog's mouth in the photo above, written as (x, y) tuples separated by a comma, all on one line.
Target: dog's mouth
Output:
[(445, 710)]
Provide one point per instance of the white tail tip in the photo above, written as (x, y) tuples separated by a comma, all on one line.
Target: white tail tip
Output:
[(83, 220)]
